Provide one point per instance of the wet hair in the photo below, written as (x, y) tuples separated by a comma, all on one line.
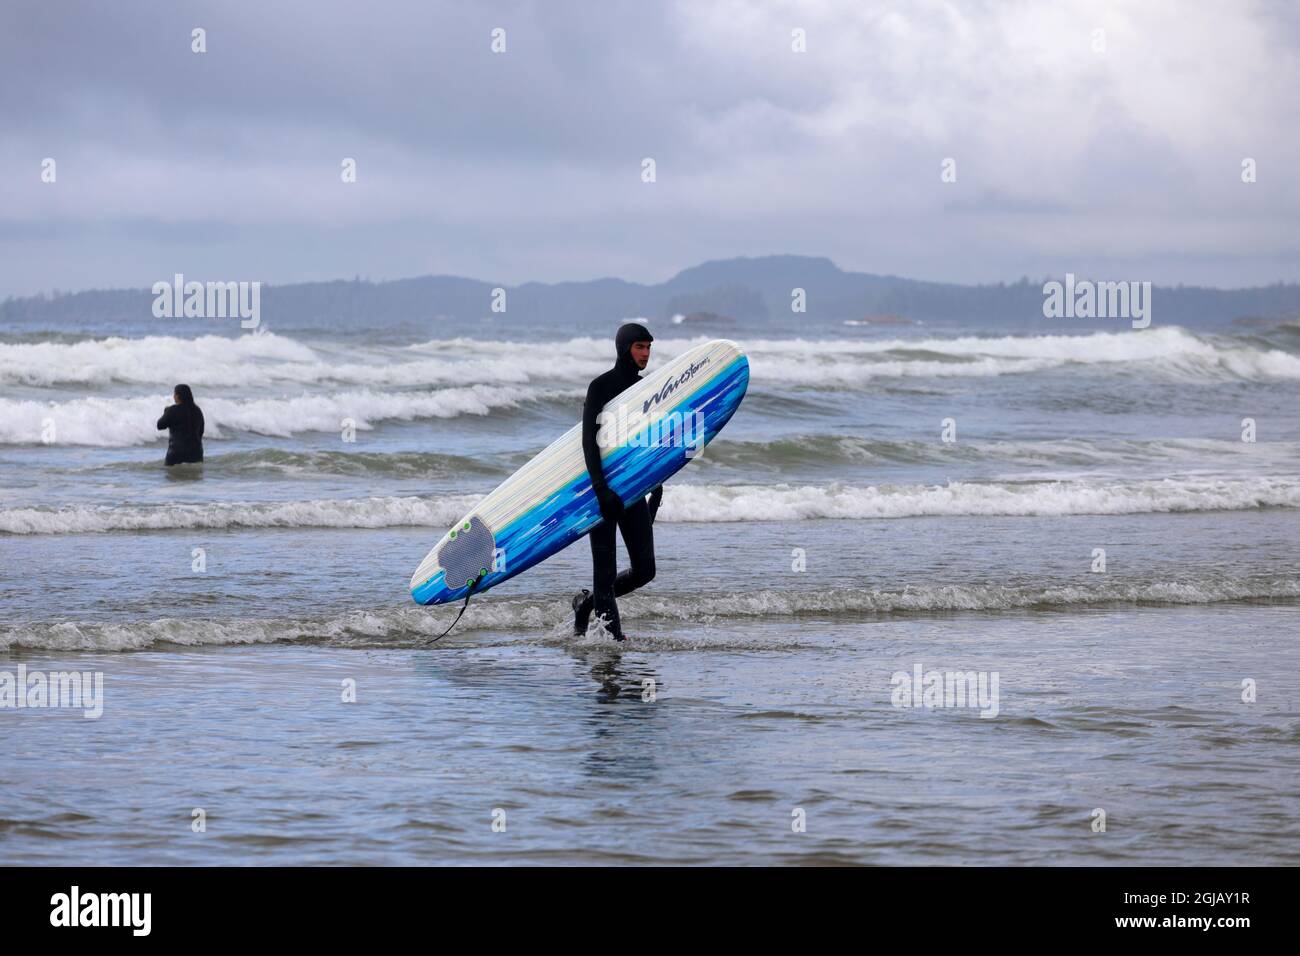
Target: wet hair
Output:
[(184, 394)]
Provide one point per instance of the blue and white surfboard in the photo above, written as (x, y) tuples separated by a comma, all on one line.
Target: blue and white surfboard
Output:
[(649, 433)]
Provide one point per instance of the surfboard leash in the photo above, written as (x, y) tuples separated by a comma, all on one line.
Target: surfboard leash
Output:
[(469, 594)]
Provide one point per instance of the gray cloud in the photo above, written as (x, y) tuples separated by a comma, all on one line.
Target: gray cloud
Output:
[(526, 165)]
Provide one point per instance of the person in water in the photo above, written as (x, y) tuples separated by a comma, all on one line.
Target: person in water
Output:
[(632, 344), (184, 422)]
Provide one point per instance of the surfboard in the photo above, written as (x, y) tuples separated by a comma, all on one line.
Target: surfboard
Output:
[(650, 432)]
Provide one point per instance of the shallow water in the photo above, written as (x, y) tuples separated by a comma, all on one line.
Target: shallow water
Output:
[(1134, 711), (828, 540)]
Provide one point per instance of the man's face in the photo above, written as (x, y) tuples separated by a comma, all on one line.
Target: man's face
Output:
[(641, 353)]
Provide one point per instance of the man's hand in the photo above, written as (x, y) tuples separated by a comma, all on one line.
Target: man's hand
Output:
[(656, 497)]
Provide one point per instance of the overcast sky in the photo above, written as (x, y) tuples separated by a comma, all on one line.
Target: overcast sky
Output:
[(526, 165)]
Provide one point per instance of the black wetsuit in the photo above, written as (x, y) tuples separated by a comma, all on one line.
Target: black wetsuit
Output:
[(634, 520), (185, 433)]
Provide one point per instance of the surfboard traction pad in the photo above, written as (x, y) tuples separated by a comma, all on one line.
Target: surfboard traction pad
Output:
[(468, 553)]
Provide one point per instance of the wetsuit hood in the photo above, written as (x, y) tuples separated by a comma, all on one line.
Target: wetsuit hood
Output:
[(628, 334)]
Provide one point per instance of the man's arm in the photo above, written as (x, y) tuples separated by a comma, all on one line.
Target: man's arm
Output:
[(166, 415), (591, 408), (611, 506)]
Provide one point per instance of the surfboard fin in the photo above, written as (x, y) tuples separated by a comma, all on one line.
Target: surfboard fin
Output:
[(468, 548)]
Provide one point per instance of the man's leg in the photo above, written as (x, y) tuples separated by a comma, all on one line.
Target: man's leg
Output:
[(604, 567), (639, 537)]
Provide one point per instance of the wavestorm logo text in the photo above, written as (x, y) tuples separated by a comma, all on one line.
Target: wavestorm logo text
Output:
[(672, 385), (215, 300), (55, 689)]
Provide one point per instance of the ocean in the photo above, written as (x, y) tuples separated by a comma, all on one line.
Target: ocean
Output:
[(1095, 529)]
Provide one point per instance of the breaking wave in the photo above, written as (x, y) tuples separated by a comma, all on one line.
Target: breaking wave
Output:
[(268, 360), (121, 422), (550, 620), (700, 503)]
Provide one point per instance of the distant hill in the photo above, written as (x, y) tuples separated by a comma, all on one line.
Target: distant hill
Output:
[(753, 291)]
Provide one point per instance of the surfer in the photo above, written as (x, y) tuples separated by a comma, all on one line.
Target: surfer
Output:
[(632, 344), (184, 422)]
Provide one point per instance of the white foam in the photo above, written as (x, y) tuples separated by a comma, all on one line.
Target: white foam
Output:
[(1170, 351), (118, 422), (265, 359), (207, 359), (783, 502), (380, 512), (700, 503), (547, 620)]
